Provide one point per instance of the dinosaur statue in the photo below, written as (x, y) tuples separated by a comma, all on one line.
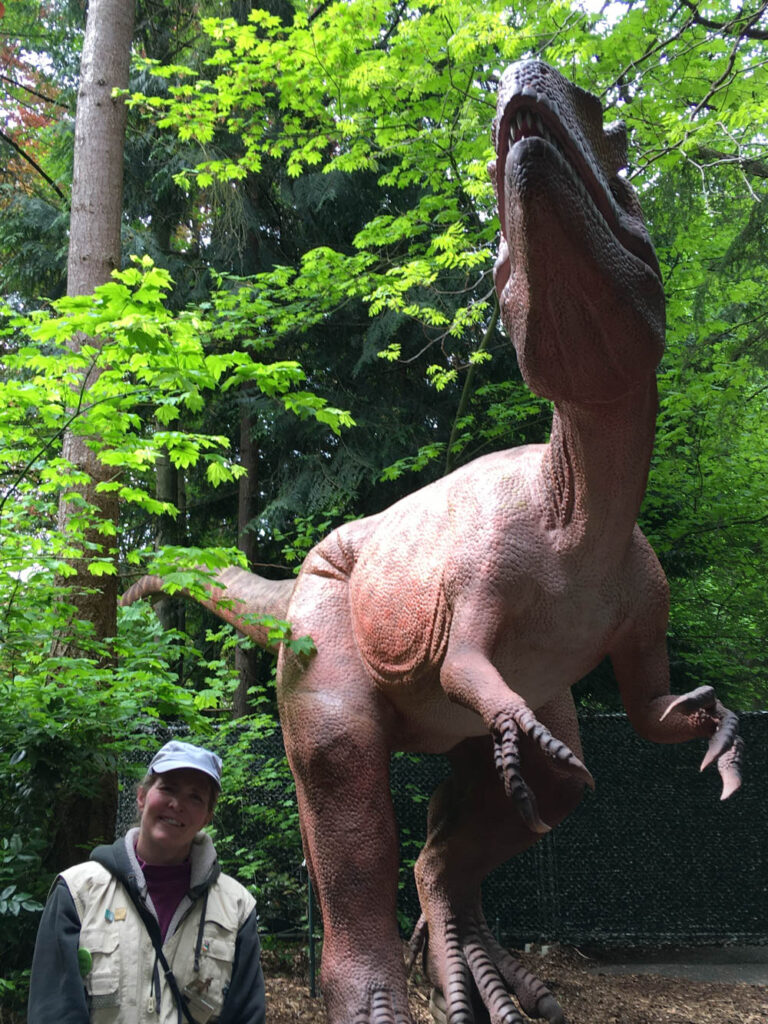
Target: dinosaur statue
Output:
[(457, 620)]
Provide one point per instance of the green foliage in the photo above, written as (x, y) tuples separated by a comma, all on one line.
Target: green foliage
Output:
[(325, 213), (406, 95), (414, 463), (257, 825), (308, 531), (150, 368), (17, 862)]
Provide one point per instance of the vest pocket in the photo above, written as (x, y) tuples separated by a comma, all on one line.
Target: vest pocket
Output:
[(218, 955), (102, 982)]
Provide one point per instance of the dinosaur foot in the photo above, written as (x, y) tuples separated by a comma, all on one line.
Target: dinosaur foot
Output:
[(362, 999), (479, 978), (726, 747), (382, 1009), (506, 728)]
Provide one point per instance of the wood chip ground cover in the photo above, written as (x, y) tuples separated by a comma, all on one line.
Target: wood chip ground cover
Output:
[(587, 996)]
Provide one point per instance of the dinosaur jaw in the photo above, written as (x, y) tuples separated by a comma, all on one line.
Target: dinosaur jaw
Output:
[(526, 117), (578, 280)]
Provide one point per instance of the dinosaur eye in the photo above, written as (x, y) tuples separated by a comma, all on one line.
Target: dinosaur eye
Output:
[(625, 196)]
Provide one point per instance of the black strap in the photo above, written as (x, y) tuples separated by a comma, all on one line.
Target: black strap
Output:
[(170, 977), (153, 931), (201, 932)]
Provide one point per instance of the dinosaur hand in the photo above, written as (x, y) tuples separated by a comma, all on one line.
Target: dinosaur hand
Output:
[(506, 728), (476, 966), (726, 747)]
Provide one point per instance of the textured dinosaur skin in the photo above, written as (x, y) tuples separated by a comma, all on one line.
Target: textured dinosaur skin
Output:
[(458, 619)]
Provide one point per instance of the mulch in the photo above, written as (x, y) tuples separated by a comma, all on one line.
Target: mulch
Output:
[(586, 995)]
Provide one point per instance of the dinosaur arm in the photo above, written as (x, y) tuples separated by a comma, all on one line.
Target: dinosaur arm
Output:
[(469, 678), (640, 661), (642, 672)]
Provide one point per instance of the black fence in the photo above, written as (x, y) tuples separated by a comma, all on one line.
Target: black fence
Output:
[(651, 857)]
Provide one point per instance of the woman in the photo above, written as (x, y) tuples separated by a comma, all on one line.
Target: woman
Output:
[(149, 929)]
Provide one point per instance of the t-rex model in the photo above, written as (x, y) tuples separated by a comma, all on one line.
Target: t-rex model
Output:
[(457, 620)]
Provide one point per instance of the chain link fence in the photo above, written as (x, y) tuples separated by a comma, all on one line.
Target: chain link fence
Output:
[(651, 857)]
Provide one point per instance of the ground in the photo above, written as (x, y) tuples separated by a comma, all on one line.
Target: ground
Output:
[(587, 996)]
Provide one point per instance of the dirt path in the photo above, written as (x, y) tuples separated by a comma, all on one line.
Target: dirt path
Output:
[(586, 996)]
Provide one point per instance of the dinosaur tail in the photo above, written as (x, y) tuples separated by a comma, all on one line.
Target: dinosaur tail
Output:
[(236, 596)]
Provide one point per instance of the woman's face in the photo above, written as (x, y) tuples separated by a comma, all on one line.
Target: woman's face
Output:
[(173, 810)]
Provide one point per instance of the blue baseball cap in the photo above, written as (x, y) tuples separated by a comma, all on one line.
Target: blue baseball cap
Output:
[(178, 754)]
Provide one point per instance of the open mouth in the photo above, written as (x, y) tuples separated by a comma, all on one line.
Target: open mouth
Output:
[(526, 119)]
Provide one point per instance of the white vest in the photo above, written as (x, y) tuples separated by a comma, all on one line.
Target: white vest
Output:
[(120, 982)]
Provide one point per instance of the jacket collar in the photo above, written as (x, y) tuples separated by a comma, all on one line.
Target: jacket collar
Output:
[(121, 860)]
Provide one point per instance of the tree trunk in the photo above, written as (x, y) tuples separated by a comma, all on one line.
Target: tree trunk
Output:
[(94, 252)]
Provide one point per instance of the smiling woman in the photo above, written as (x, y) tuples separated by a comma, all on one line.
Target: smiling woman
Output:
[(149, 929), (176, 800)]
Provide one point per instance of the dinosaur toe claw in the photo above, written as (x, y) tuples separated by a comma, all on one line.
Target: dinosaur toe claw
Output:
[(549, 1008), (417, 943), (481, 979), (438, 1007)]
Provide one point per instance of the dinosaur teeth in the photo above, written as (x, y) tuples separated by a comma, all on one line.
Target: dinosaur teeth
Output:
[(527, 125)]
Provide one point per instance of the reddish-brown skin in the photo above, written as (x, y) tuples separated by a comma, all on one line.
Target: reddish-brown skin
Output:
[(458, 619)]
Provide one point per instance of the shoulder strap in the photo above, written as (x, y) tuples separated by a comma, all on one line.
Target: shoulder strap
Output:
[(154, 933)]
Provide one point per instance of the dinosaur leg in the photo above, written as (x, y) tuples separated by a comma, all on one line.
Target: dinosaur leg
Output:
[(474, 827), (334, 726)]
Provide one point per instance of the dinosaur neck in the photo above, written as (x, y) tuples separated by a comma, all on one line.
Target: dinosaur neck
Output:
[(596, 466)]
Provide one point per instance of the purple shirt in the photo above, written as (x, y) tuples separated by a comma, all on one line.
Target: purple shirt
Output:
[(168, 884)]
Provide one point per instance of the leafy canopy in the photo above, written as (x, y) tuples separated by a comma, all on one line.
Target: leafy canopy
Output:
[(407, 93)]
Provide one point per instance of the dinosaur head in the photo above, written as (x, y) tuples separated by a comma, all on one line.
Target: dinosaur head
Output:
[(578, 280)]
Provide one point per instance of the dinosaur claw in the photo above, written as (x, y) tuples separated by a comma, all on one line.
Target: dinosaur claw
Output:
[(580, 770), (701, 697), (552, 747), (506, 727), (730, 786), (506, 753), (550, 1010), (723, 739), (726, 748), (729, 767), (416, 944), (437, 1006), (485, 983)]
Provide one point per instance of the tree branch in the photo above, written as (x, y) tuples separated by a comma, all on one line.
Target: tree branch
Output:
[(727, 26), (726, 75), (757, 167), (320, 9), (33, 92), (468, 382), (33, 163)]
